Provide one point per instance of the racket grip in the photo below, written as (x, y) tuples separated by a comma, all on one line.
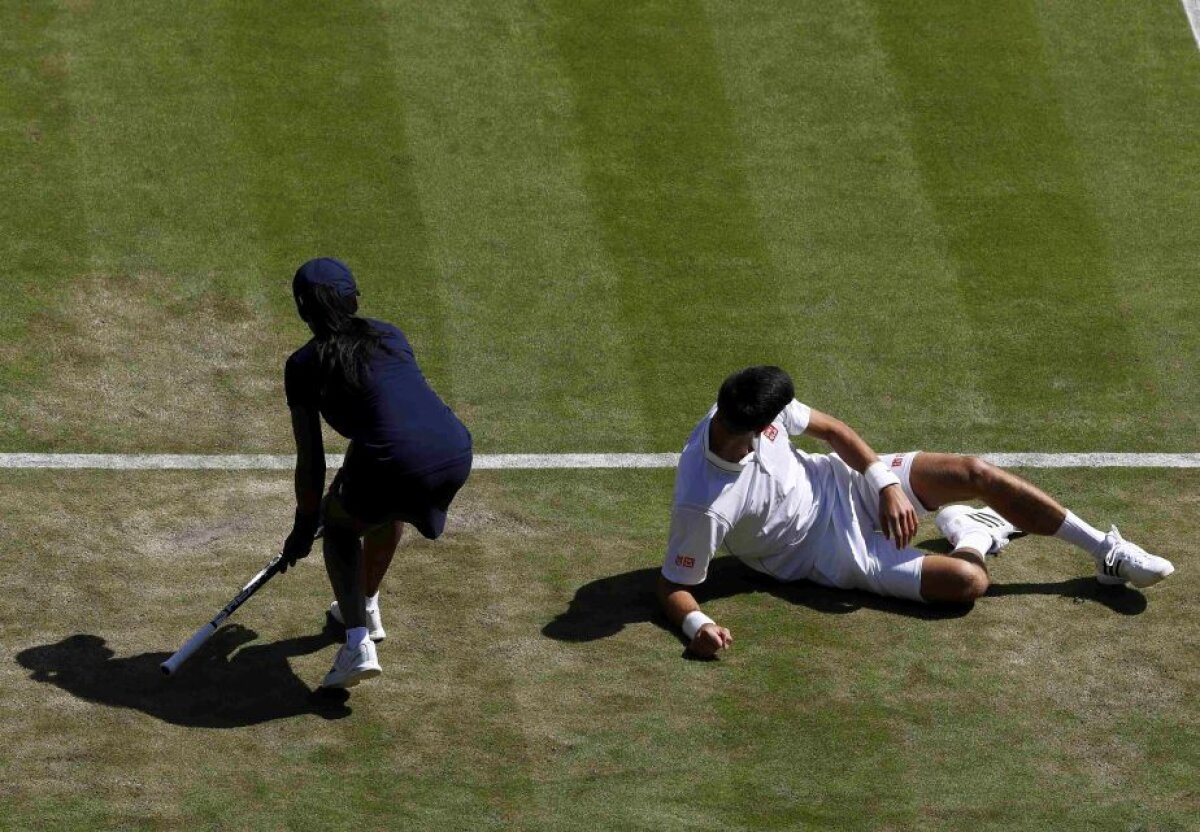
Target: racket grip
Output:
[(191, 646)]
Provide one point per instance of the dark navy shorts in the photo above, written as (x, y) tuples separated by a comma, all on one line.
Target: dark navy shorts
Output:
[(376, 492)]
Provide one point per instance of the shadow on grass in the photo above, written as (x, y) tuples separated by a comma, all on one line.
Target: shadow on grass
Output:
[(1120, 599), (215, 689), (604, 607)]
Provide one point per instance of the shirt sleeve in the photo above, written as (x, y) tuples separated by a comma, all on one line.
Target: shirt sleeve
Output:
[(795, 417), (694, 538), (299, 385)]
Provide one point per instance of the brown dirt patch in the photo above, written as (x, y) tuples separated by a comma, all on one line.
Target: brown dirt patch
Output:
[(138, 366)]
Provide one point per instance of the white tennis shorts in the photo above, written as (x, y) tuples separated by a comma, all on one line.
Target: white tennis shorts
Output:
[(884, 568)]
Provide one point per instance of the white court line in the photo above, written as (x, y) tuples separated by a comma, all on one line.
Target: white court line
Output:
[(285, 462), (1192, 9)]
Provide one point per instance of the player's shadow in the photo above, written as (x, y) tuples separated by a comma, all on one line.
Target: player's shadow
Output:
[(604, 607), (1120, 598), (216, 688)]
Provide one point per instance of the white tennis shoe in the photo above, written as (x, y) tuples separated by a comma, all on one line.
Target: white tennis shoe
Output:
[(955, 522), (375, 630), (353, 665), (1124, 561)]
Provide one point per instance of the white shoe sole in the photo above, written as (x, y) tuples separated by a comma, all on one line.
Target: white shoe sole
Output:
[(1134, 565), (1115, 580), (354, 678)]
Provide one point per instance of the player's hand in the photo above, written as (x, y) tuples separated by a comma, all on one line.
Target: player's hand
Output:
[(300, 542), (897, 516), (709, 640)]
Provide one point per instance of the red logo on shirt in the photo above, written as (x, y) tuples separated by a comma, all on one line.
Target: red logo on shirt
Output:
[(770, 431), (685, 561), (897, 461)]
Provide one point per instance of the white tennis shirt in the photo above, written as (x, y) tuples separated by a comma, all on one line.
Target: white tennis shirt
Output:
[(777, 509)]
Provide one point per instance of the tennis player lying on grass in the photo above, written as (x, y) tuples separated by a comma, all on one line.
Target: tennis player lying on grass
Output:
[(408, 456), (846, 519)]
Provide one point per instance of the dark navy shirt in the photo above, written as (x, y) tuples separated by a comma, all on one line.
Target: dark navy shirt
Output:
[(396, 418)]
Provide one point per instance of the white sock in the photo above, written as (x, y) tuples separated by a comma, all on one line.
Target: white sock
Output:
[(373, 601), (1078, 533), (355, 636), (979, 540)]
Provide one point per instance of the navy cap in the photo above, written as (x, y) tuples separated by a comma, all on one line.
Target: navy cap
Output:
[(325, 271)]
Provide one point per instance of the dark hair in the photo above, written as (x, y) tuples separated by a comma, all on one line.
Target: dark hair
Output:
[(344, 341), (750, 399)]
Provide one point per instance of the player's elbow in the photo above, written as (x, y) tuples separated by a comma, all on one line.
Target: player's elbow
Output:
[(833, 431)]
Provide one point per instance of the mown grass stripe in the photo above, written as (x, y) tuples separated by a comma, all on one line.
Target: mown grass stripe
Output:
[(42, 246), (323, 135), (532, 316), (485, 462), (1001, 167), (666, 180)]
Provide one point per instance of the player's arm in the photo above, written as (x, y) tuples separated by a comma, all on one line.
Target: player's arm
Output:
[(694, 538), (309, 481), (310, 458), (896, 513), (681, 609)]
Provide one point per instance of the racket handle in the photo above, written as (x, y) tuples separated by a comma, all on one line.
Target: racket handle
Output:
[(183, 653)]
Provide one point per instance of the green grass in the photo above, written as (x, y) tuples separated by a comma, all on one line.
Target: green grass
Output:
[(961, 226)]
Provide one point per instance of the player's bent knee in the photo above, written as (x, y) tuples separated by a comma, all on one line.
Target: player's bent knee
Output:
[(974, 584), (955, 581)]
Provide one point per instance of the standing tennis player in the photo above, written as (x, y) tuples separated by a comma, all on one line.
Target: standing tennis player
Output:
[(408, 456), (846, 519)]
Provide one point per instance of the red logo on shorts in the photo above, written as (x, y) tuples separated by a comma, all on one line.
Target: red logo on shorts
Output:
[(770, 431), (897, 461), (685, 561)]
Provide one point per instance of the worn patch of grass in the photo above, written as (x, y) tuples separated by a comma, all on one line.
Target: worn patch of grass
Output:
[(530, 684), (139, 364)]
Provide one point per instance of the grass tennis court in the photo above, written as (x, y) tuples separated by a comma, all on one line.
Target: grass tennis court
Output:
[(961, 226)]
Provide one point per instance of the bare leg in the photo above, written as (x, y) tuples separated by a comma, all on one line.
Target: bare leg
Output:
[(957, 578), (938, 479), (344, 561), (379, 546)]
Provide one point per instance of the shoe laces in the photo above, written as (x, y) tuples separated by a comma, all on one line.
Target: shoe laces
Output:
[(1110, 557)]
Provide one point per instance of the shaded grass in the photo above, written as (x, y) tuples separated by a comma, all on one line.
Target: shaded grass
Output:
[(832, 709)]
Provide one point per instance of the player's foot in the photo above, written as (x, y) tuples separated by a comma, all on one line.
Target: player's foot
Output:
[(353, 665), (374, 621), (956, 522), (1124, 561)]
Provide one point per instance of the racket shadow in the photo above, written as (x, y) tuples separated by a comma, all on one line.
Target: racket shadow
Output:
[(225, 685)]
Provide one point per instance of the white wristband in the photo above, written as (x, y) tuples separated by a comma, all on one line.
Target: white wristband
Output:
[(693, 621), (879, 476)]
